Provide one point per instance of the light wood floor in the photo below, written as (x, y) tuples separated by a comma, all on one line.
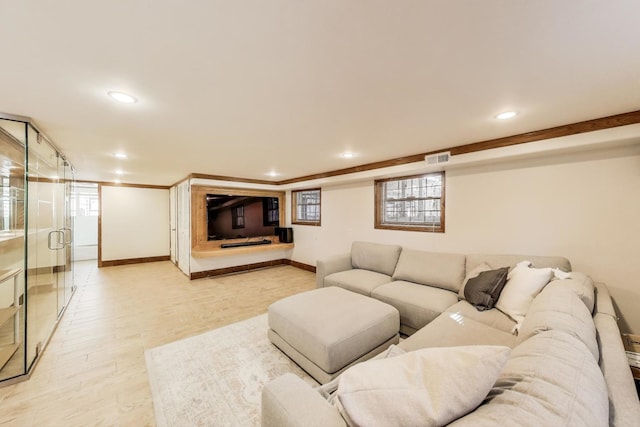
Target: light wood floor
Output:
[(93, 371)]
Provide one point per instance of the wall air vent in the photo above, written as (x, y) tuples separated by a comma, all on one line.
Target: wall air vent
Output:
[(439, 158)]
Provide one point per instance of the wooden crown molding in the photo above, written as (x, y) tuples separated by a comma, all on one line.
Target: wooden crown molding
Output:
[(113, 184), (602, 123)]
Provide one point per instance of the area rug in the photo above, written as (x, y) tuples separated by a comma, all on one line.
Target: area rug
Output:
[(216, 378)]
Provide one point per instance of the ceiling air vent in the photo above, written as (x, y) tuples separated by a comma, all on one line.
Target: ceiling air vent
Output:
[(436, 159)]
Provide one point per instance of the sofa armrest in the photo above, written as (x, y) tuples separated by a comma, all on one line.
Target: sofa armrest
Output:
[(331, 265), (624, 408), (288, 401)]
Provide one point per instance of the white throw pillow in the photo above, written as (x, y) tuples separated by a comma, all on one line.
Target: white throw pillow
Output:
[(473, 273), (427, 387), (328, 390), (523, 284)]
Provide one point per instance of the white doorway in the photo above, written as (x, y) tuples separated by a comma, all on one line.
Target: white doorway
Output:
[(85, 209)]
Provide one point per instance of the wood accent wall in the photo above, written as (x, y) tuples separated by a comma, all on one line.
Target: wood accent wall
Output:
[(199, 226)]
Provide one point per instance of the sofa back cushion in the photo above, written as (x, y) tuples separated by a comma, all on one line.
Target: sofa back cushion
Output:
[(582, 285), (437, 269), (375, 257), (551, 379), (559, 308), (426, 387), (498, 261)]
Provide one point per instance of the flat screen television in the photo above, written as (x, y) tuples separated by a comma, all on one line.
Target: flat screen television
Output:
[(237, 217)]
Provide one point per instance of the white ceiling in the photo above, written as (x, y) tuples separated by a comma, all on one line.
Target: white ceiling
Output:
[(241, 88)]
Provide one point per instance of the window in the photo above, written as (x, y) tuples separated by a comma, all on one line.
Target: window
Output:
[(413, 203), (305, 208), (84, 199)]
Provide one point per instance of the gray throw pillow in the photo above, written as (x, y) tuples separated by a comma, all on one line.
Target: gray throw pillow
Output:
[(483, 290)]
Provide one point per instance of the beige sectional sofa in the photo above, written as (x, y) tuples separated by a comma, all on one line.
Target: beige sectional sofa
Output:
[(567, 365), (420, 284)]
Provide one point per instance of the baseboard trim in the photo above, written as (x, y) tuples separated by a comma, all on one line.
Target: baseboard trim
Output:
[(236, 269), (248, 267), (300, 265), (128, 261)]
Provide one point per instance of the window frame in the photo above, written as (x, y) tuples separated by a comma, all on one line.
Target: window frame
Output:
[(380, 199), (294, 207)]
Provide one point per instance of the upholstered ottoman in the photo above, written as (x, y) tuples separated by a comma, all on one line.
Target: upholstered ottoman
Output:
[(329, 329)]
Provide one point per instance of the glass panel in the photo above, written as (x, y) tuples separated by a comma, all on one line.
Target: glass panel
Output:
[(69, 229), (308, 205), (36, 278), (412, 201), (60, 203), (43, 242), (12, 221)]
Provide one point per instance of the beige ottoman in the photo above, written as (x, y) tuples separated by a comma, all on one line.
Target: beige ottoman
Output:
[(327, 330)]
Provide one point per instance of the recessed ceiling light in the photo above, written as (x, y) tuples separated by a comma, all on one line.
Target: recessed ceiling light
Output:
[(272, 173), (122, 97), (347, 155), (117, 181), (120, 155), (506, 115), (119, 172)]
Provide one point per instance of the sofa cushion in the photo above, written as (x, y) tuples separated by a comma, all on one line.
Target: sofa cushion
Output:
[(375, 257), (559, 308), (484, 290), (442, 270), (360, 281), (551, 379), (453, 329), (523, 284), (494, 317), (428, 387), (418, 305), (581, 285)]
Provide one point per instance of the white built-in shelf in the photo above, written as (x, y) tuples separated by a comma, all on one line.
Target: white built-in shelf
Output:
[(7, 274), (240, 250)]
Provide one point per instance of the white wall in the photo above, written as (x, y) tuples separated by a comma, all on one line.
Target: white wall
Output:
[(585, 206), (135, 222), (86, 230)]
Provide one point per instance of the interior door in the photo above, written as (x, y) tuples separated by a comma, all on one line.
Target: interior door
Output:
[(173, 206)]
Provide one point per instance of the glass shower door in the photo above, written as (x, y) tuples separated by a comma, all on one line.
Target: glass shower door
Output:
[(64, 267), (36, 250), (12, 194), (44, 243)]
